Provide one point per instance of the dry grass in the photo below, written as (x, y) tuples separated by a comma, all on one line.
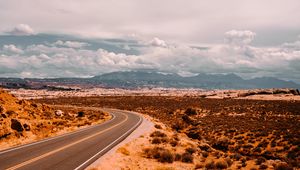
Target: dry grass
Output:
[(237, 129)]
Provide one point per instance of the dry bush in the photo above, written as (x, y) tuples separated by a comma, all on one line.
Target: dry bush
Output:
[(157, 126), (193, 133), (80, 114), (204, 154), (204, 147), (158, 134), (160, 154), (191, 150), (263, 166), (178, 125), (190, 111), (210, 164), (260, 160), (187, 157), (178, 157), (229, 161), (221, 164), (159, 140), (282, 166), (166, 156), (198, 166), (173, 143), (221, 144), (124, 151)]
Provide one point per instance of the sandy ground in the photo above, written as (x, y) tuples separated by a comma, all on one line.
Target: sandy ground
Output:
[(112, 159), (128, 155)]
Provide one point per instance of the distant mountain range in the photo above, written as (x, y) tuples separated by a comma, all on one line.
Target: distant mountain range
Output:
[(137, 79)]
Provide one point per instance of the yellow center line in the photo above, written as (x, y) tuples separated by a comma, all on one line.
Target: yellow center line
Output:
[(66, 146)]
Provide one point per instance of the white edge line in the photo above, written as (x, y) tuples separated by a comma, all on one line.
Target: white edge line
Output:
[(129, 131), (56, 137)]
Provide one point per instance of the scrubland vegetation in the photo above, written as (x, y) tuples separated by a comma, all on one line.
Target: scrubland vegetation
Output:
[(229, 133), (22, 121)]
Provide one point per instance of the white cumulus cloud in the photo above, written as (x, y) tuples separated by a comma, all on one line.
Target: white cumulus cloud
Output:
[(21, 29), (71, 44), (236, 56), (158, 42), (238, 37), (12, 49)]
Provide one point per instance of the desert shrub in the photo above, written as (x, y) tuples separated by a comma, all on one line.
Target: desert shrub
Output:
[(221, 164), (178, 125), (80, 114), (173, 143), (229, 161), (204, 147), (263, 166), (236, 156), (263, 144), (198, 166), (295, 91), (161, 154), (166, 156), (187, 119), (187, 157), (156, 140), (204, 154), (157, 126), (193, 133), (26, 127), (16, 125), (124, 151), (260, 160), (1, 109), (190, 111), (190, 150), (34, 105), (221, 144), (257, 149), (175, 137), (273, 143), (248, 146), (210, 164), (217, 154), (158, 134), (292, 154), (3, 115), (10, 112), (282, 166), (243, 160), (177, 157)]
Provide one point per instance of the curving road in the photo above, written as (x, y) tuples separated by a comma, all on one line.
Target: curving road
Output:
[(75, 150)]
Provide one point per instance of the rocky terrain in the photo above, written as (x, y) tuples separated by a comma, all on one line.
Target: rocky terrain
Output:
[(229, 133), (22, 121)]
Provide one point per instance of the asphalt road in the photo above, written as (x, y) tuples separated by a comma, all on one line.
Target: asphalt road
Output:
[(75, 150)]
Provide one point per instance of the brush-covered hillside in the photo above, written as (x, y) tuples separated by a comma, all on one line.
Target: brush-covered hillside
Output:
[(23, 121)]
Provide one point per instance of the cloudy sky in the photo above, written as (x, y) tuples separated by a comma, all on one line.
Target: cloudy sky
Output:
[(251, 38)]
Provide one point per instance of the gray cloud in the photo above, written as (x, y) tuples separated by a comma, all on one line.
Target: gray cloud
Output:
[(197, 22)]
